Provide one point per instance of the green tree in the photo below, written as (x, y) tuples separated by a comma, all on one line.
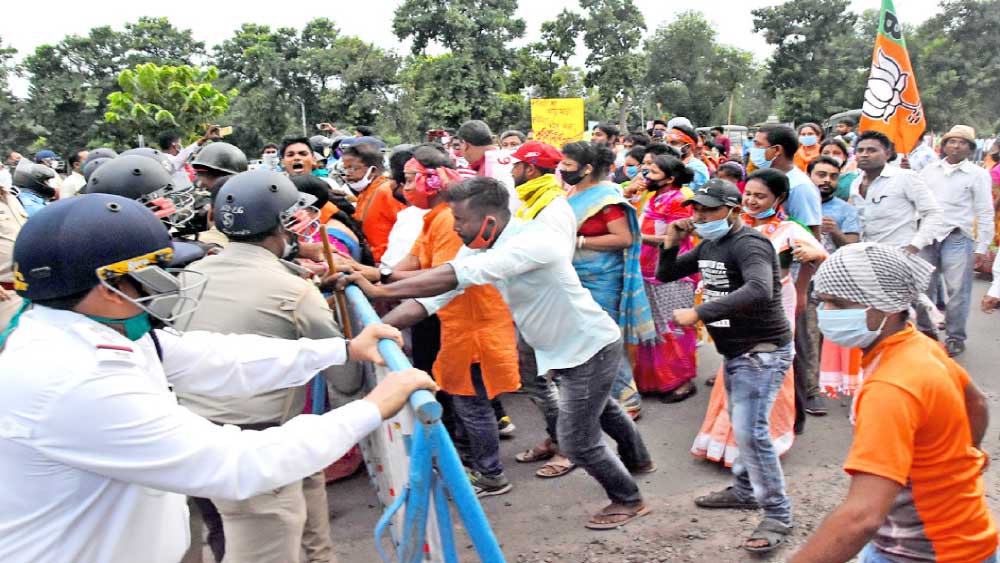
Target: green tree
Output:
[(612, 31), (154, 98), (70, 80), (690, 73), (821, 58), (955, 54), (16, 131), (262, 64), (468, 80)]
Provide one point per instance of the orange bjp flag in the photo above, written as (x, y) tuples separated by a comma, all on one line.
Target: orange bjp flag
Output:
[(892, 102)]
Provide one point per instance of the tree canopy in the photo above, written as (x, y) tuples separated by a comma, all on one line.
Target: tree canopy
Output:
[(471, 59)]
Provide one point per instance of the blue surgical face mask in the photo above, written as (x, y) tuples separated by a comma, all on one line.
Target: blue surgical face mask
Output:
[(847, 327), (631, 171), (713, 230), (135, 327), (758, 159), (808, 140), (762, 215)]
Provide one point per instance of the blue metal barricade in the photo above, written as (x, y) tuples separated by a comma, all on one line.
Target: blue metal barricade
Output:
[(435, 472)]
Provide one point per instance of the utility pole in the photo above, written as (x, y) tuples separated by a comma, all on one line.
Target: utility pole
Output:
[(305, 130)]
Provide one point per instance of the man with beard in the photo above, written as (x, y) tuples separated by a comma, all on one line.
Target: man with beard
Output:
[(551, 309)]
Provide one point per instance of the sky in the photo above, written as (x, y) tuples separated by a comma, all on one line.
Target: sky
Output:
[(214, 21)]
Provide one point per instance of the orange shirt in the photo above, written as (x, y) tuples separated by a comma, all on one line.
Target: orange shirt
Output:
[(805, 155), (476, 327), (912, 428), (376, 210)]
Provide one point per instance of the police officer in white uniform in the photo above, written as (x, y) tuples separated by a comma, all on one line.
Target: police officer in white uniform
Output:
[(95, 452)]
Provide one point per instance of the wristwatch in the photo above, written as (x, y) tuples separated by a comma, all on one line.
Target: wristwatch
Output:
[(384, 272)]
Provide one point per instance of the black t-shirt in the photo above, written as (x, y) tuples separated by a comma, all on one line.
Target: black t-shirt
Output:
[(742, 297)]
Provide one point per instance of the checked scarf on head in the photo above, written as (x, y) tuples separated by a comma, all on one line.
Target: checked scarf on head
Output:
[(879, 276), (536, 194)]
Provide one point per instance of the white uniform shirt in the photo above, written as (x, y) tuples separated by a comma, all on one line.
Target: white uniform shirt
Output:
[(559, 216), (554, 313), (71, 185), (966, 197), (896, 201), (92, 438)]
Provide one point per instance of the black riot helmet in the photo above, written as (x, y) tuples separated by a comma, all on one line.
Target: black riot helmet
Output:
[(102, 152), (166, 161), (92, 164), (34, 177), (221, 158), (256, 203), (145, 180)]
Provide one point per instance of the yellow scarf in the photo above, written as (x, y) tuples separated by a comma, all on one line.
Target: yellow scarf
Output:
[(536, 194)]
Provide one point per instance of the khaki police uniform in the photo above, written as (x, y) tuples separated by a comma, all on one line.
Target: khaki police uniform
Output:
[(12, 217), (251, 291)]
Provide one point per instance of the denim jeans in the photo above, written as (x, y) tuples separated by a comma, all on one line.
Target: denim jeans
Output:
[(752, 382), (585, 409), (539, 388), (871, 555), (625, 379), (475, 421), (954, 260)]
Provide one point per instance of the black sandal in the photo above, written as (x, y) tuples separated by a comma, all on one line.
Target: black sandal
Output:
[(771, 531), (675, 397), (725, 498)]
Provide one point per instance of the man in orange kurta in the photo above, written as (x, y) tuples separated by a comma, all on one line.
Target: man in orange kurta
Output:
[(478, 356)]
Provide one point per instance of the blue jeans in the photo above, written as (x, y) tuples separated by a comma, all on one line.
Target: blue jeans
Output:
[(954, 260), (871, 555), (585, 410), (625, 379), (476, 423), (752, 382)]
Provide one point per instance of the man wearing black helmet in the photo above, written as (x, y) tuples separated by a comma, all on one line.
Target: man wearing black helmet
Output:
[(95, 453), (147, 181), (263, 214), (35, 182)]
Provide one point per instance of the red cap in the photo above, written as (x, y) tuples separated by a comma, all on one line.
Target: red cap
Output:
[(538, 154)]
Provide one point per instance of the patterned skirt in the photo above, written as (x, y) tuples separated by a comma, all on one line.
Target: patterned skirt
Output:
[(671, 360)]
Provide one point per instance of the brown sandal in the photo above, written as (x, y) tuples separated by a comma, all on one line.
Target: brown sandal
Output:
[(558, 466), (599, 521), (540, 452)]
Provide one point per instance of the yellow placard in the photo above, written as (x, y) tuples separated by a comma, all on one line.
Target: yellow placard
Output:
[(557, 121)]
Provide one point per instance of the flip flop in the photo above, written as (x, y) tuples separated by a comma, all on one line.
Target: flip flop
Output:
[(771, 531), (540, 452), (556, 467), (613, 509)]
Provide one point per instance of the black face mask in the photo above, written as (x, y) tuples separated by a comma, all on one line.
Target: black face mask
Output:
[(573, 178)]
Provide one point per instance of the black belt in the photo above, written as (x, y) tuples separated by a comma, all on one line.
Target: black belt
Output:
[(253, 425)]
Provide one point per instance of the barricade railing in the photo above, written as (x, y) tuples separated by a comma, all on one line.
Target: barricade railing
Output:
[(434, 473)]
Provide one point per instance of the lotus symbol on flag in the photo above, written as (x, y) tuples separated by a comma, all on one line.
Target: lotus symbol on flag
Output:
[(884, 94)]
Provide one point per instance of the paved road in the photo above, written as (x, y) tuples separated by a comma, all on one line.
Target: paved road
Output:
[(542, 520)]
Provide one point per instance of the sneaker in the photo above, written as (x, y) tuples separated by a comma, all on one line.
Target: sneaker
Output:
[(506, 427), (489, 486), (816, 406), (954, 347)]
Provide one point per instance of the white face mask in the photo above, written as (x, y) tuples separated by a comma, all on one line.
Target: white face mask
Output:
[(364, 182)]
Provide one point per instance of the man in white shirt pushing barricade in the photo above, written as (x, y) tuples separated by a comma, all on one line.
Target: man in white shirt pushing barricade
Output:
[(95, 452)]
